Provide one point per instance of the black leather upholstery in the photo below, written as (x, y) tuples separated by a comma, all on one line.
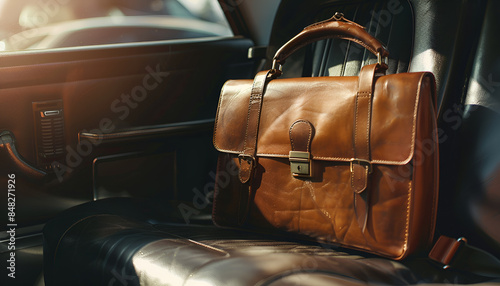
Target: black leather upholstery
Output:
[(125, 242), (110, 242), (433, 36), (477, 202)]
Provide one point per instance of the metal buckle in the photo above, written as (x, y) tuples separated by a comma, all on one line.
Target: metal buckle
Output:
[(247, 158), (367, 163), (460, 241), (300, 164), (338, 16), (277, 68), (381, 60), (445, 249)]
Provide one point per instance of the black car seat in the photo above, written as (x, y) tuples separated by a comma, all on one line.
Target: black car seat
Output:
[(124, 241), (474, 205)]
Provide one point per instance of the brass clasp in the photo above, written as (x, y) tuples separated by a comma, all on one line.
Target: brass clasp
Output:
[(276, 69), (362, 162), (300, 164)]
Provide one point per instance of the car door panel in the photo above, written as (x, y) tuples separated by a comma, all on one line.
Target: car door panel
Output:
[(157, 98)]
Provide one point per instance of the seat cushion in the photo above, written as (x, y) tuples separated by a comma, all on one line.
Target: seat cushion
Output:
[(127, 242), (104, 243)]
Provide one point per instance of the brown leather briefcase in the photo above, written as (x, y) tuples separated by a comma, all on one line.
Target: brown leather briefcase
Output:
[(351, 161)]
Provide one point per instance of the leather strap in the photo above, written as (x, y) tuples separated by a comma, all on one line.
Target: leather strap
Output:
[(360, 165), (362, 124), (335, 27), (247, 158), (458, 254), (301, 133)]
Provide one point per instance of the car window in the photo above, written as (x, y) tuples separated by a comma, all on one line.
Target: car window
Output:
[(45, 24)]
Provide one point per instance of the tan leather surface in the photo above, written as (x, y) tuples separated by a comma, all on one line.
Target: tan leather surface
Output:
[(328, 103), (331, 29), (362, 127), (301, 134), (252, 126), (396, 215), (371, 180)]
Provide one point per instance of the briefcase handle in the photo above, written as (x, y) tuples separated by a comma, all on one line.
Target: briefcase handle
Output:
[(336, 27)]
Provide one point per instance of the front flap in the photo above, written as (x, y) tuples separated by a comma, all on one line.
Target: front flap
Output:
[(328, 103)]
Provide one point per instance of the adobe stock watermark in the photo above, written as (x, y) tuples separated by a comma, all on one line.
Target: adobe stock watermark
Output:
[(453, 118), (121, 107), (123, 278), (381, 19), (488, 83), (43, 12), (202, 200), (230, 5)]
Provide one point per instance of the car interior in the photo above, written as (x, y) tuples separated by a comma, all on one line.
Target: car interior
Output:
[(108, 165)]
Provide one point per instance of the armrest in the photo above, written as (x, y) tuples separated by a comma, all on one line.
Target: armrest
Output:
[(149, 132)]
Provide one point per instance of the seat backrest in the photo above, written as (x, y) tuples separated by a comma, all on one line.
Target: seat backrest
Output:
[(440, 36), (420, 36), (475, 207)]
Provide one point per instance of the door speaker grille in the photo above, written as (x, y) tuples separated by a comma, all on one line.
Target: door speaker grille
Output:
[(49, 132)]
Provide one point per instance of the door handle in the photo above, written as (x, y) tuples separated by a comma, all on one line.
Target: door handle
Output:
[(10, 154)]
